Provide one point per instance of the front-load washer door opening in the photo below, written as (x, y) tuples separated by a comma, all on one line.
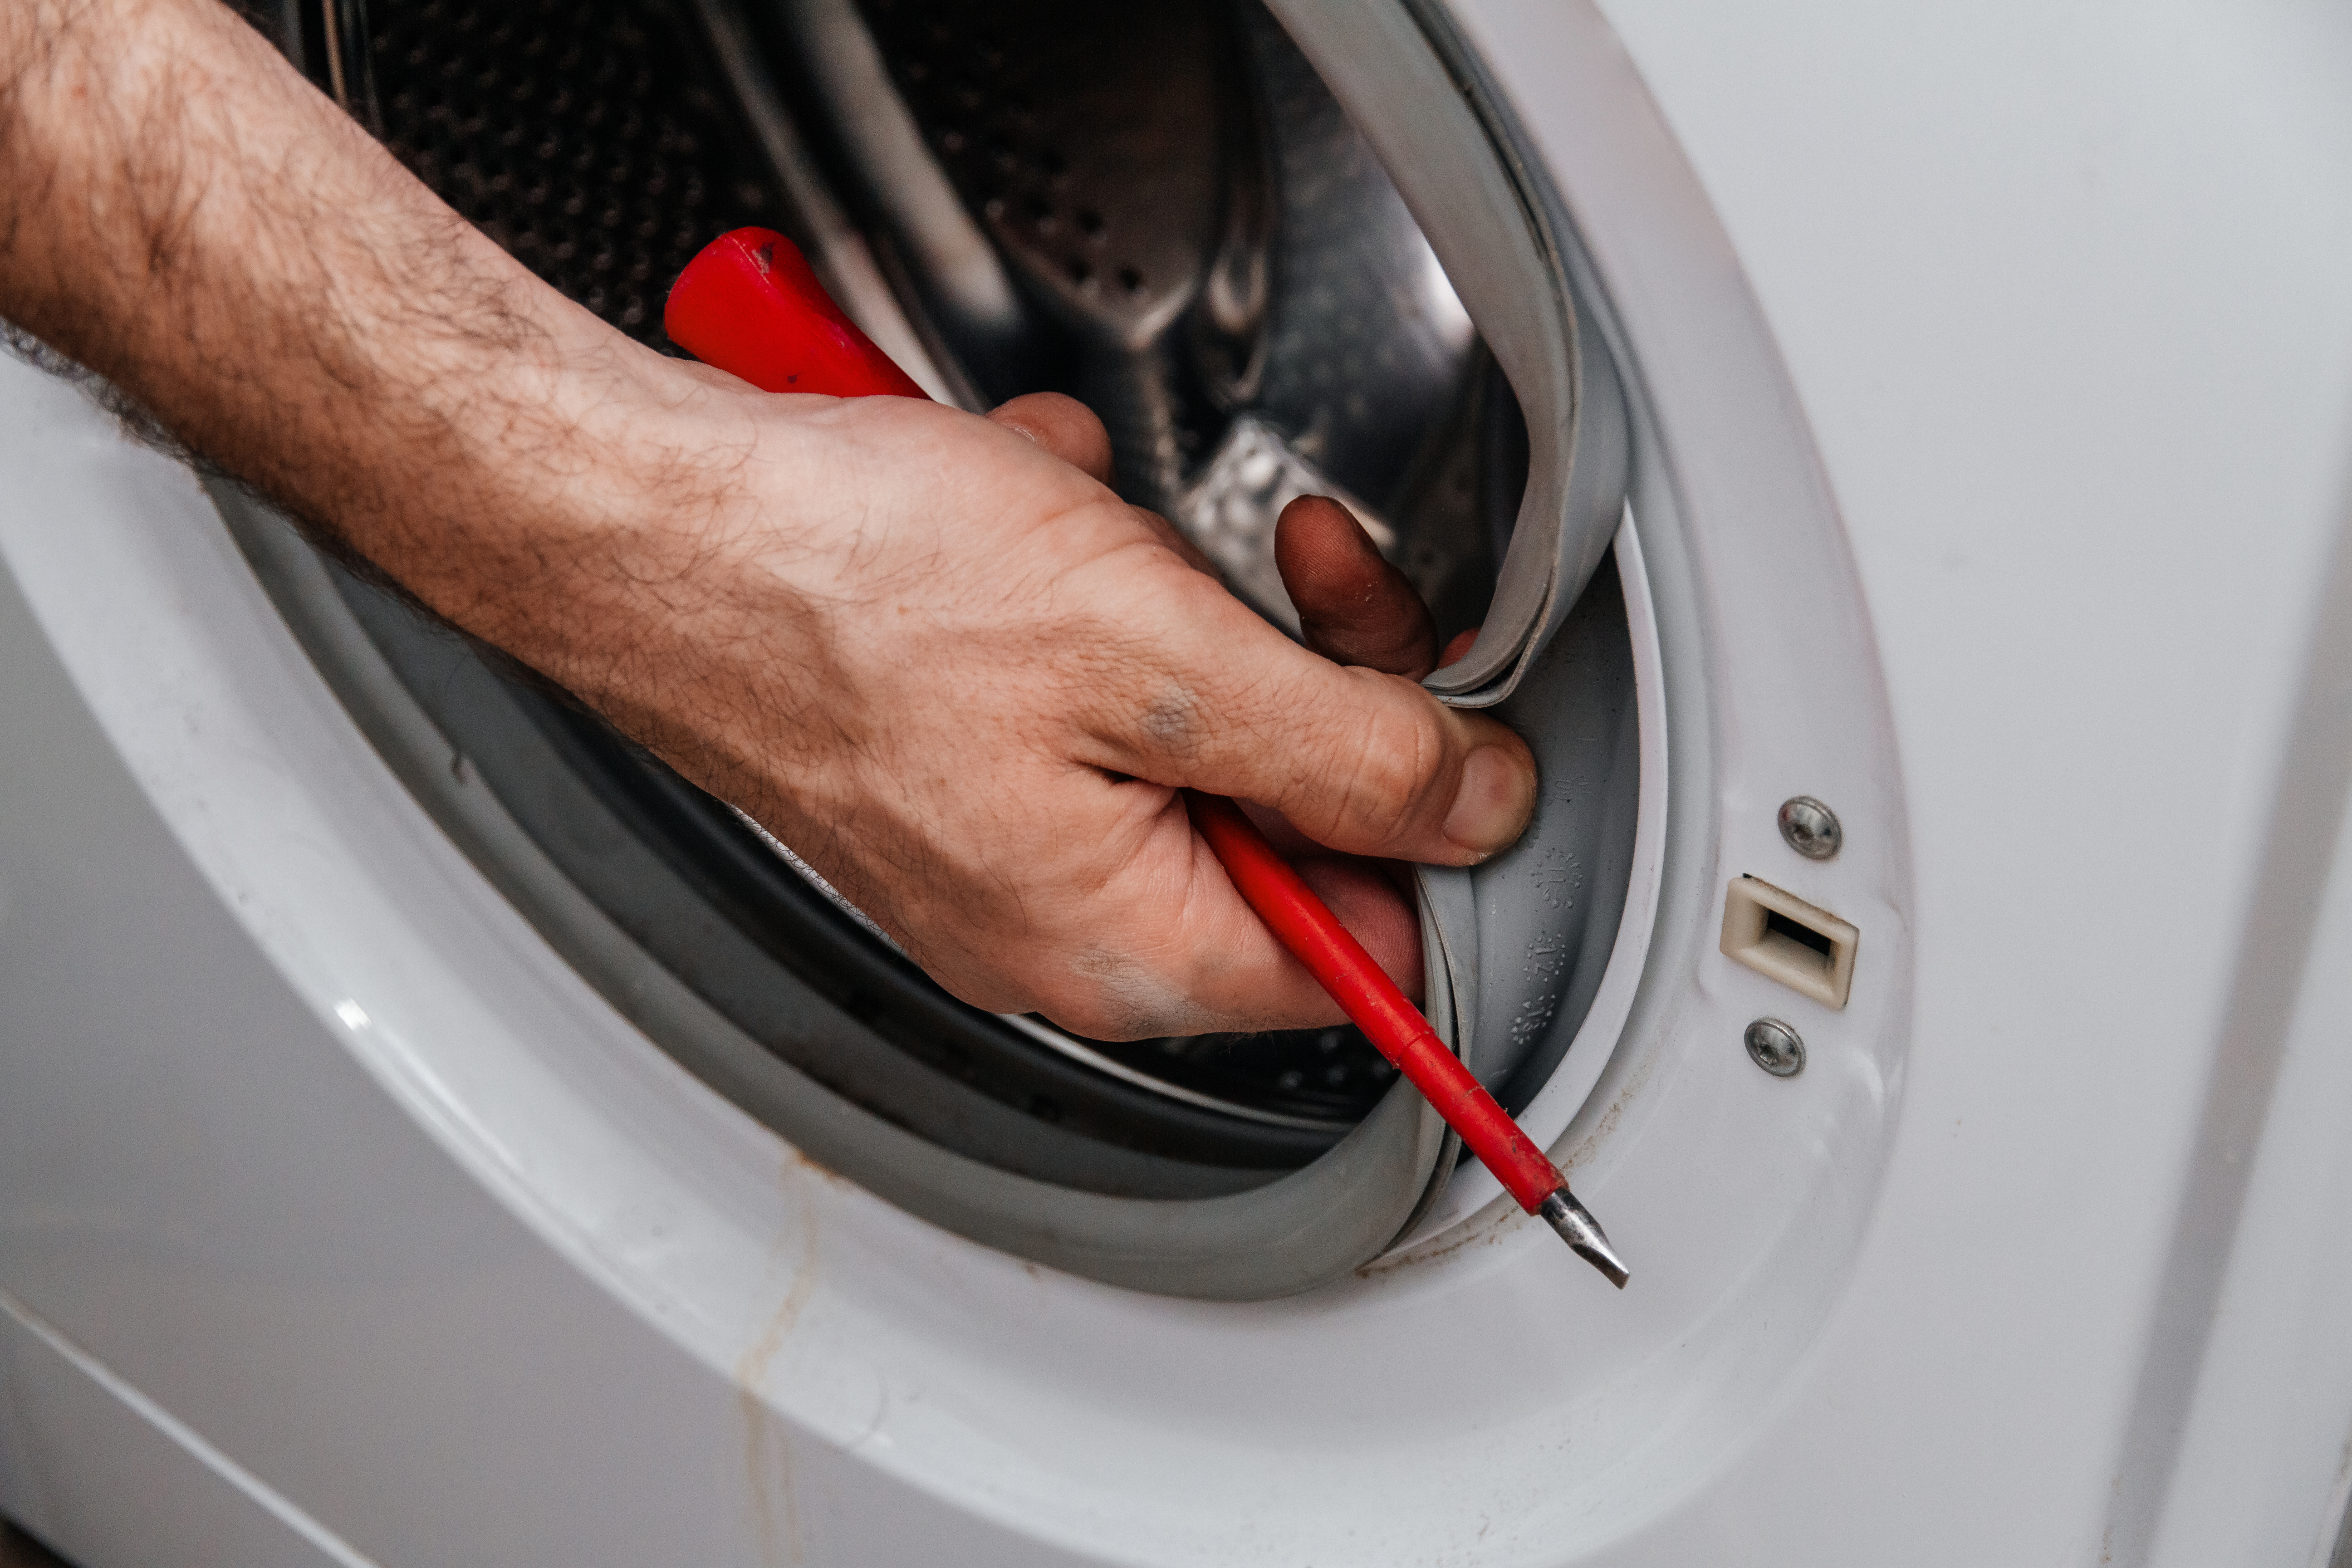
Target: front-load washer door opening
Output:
[(1175, 219)]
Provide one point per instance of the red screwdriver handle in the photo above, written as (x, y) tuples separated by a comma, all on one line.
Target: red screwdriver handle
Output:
[(751, 304)]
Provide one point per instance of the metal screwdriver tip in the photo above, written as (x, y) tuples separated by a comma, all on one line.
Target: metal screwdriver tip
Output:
[(1582, 1231)]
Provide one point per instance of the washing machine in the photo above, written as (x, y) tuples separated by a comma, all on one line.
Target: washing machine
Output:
[(1897, 463)]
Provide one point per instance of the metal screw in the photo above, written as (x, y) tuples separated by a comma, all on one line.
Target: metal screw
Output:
[(1811, 828), (1778, 1048)]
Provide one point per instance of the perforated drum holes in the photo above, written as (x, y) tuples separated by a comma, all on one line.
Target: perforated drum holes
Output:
[(1783, 938), (582, 135)]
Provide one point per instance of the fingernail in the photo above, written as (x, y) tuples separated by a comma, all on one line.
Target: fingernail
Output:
[(1491, 807)]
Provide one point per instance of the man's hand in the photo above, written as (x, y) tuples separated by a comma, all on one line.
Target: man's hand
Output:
[(930, 651)]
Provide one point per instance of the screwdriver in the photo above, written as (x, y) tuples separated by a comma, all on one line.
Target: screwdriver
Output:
[(751, 305)]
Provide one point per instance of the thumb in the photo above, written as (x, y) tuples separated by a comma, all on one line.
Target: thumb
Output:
[(1366, 763), (1398, 775)]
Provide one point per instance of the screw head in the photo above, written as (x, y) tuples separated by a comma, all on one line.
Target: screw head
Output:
[(1775, 1047), (1811, 828)]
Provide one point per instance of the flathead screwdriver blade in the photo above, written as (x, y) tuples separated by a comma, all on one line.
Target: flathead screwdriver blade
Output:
[(1582, 1231)]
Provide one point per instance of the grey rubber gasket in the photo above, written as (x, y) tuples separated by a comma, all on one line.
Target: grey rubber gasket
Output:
[(1500, 251), (1273, 1239), (1522, 941)]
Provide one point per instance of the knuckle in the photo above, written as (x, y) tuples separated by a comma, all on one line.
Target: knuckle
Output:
[(1159, 694), (1151, 716), (1383, 769), (1169, 718)]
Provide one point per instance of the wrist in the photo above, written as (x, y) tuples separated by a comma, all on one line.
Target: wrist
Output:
[(602, 513)]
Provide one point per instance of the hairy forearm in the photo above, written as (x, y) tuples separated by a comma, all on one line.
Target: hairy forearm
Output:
[(185, 215), (947, 665)]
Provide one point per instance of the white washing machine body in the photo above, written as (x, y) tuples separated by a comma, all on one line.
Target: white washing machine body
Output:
[(1991, 388)]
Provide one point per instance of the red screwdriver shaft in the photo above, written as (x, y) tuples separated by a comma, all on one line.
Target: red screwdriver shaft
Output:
[(751, 305), (1306, 926)]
